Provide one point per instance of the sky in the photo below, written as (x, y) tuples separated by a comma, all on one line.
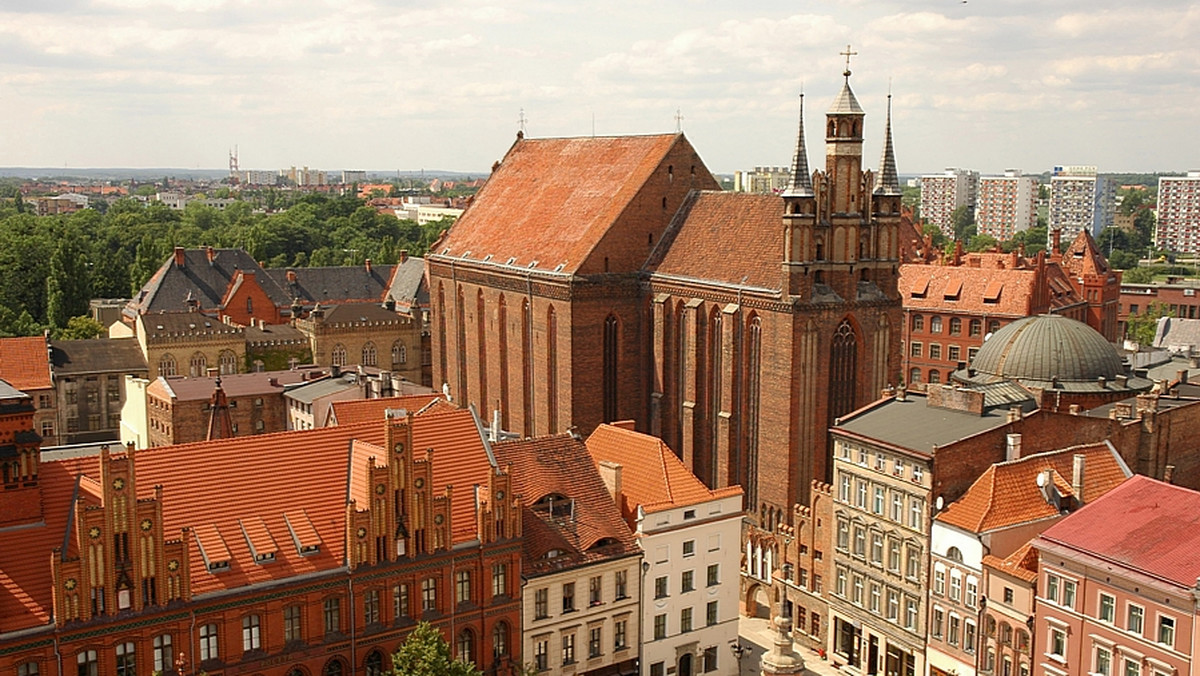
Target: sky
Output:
[(407, 85)]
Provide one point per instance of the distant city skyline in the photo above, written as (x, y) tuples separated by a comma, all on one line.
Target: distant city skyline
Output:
[(385, 84)]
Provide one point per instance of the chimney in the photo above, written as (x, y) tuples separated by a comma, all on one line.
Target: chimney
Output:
[(179, 257), (403, 256), (902, 393), (1077, 477), (210, 254), (1014, 414), (291, 276), (495, 435), (1012, 449), (1168, 473), (1074, 409), (367, 264), (1181, 376), (1055, 242), (610, 473)]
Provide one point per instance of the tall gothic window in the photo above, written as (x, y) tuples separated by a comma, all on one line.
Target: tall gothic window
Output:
[(612, 332), (338, 356), (843, 368), (441, 334), (680, 375), (715, 383), (502, 330), (526, 368), (370, 355), (198, 366), (485, 406), (551, 371), (753, 382), (460, 325)]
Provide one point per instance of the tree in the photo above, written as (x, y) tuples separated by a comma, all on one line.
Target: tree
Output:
[(68, 287), (82, 327), (1141, 327), (981, 243), (935, 234), (426, 653), (961, 219)]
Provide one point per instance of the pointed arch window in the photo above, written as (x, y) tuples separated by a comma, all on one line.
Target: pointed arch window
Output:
[(198, 365), (228, 362), (481, 343), (399, 354), (465, 646), (551, 370), (338, 355), (843, 370), (440, 309), (753, 386), (167, 365), (502, 349), (370, 356), (612, 335), (526, 369)]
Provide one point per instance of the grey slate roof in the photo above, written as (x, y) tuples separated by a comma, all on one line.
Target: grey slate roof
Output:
[(801, 183), (68, 357), (205, 281), (408, 283), (310, 392), (913, 425), (1177, 335), (347, 313), (333, 284), (845, 103)]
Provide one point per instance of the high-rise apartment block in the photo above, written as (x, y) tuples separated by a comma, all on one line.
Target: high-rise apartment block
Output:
[(1080, 199), (763, 180), (942, 193), (1006, 205), (1179, 213)]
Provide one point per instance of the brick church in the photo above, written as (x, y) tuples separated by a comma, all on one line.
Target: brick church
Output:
[(604, 278)]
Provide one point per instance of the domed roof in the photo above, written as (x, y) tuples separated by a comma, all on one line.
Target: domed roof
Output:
[(1048, 347)]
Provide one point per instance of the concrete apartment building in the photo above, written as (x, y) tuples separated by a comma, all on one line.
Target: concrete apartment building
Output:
[(1178, 226), (1080, 199), (1006, 205), (763, 180), (942, 193), (1117, 585), (689, 536)]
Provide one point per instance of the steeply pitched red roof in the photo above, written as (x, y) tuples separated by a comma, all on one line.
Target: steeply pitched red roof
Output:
[(1143, 525), (354, 411), (553, 200), (697, 244), (1007, 493), (588, 527), (652, 476), (982, 286), (1083, 257), (25, 363), (1022, 564)]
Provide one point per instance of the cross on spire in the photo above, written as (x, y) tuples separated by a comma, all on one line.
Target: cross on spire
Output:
[(521, 121), (678, 120), (848, 53)]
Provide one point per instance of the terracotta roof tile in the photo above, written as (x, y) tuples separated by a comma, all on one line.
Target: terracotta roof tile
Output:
[(25, 363), (652, 476), (697, 242), (553, 200), (1007, 494), (351, 412), (1083, 257), (982, 286), (1143, 525), (1022, 564)]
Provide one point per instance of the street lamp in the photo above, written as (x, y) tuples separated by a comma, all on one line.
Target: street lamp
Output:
[(738, 651)]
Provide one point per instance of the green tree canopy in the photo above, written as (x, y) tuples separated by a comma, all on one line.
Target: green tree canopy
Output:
[(82, 327), (426, 653), (1141, 327)]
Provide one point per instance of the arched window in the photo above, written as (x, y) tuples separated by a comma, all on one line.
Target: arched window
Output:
[(465, 646), (715, 384), (460, 332), (228, 362), (935, 324), (485, 404), (918, 323), (551, 370), (374, 663), (166, 365), (612, 333), (843, 370), (954, 554), (753, 383), (338, 356), (500, 640), (440, 308), (976, 327), (370, 357), (333, 667), (502, 349), (198, 365), (399, 354), (955, 326), (993, 326), (526, 369), (935, 377), (914, 376)]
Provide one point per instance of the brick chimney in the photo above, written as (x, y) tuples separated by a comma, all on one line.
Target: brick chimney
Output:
[(211, 254), (367, 264), (179, 257), (1077, 477), (610, 473), (291, 276), (403, 256)]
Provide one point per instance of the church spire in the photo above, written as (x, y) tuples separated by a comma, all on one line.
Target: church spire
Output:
[(801, 183), (889, 181)]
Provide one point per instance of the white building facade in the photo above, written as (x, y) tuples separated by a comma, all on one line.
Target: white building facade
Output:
[(1178, 226), (1006, 205), (1080, 199), (942, 193)]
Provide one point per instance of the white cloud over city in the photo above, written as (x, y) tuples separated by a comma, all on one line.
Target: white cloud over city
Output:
[(393, 84)]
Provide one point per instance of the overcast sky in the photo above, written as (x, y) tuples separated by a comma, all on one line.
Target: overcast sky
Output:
[(402, 84)]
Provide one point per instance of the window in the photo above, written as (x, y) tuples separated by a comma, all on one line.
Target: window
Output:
[(1132, 668), (660, 587), (429, 594), (955, 326), (126, 659), (877, 504), (860, 541), (333, 615), (935, 325), (714, 574), (955, 585), (462, 586), (251, 633), (857, 595), (1008, 595), (594, 591), (291, 624), (660, 626), (1107, 611), (875, 596), (843, 541), (500, 579), (915, 508), (877, 548), (541, 604), (913, 563), (374, 663), (710, 614), (541, 654), (338, 356), (465, 646), (688, 583), (370, 356), (1052, 587), (568, 649), (1133, 620), (975, 327), (594, 637), (894, 555), (938, 621), (657, 669), (1058, 643), (87, 663), (972, 592), (1103, 661), (685, 620), (952, 634), (953, 353), (840, 589), (620, 635), (164, 655), (897, 507), (1068, 599), (914, 350), (708, 661), (969, 636), (399, 354), (568, 597), (918, 323), (400, 607), (689, 547), (208, 642), (499, 640), (935, 352), (1166, 630), (371, 606), (893, 604)]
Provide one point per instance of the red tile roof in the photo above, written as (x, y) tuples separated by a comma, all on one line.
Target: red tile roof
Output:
[(971, 287), (290, 488), (553, 200), (1007, 494), (1022, 564), (1083, 257), (588, 527), (25, 363), (351, 412), (698, 240), (652, 476), (200, 388), (1143, 525)]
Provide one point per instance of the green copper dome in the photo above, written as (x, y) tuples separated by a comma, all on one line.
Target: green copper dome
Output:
[(1045, 348)]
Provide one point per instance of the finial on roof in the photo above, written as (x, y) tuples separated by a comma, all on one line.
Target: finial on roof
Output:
[(848, 53), (889, 180), (801, 183)]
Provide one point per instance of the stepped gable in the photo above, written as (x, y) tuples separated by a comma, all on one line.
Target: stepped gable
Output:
[(585, 525), (553, 200), (25, 363), (203, 275), (699, 243), (653, 478), (1007, 493), (328, 285)]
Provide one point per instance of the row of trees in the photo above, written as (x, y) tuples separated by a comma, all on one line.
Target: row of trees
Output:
[(50, 266)]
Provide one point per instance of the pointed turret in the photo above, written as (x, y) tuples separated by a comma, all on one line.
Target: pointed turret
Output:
[(801, 183), (889, 181), (220, 424)]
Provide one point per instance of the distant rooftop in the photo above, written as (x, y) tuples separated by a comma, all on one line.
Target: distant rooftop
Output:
[(910, 423)]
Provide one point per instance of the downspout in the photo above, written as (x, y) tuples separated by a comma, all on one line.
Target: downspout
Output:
[(57, 654), (353, 637), (192, 634)]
